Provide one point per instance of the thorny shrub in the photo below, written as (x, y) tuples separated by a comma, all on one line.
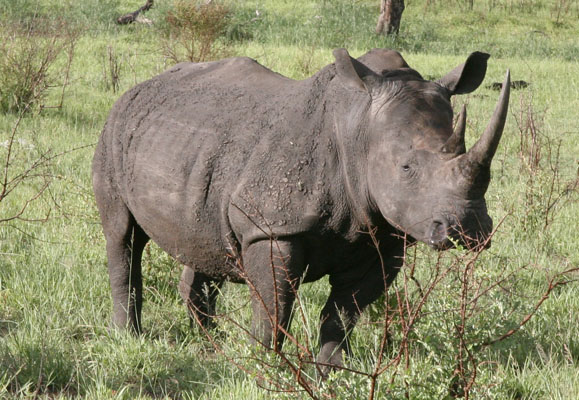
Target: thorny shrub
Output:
[(193, 31), (30, 65), (37, 55), (21, 166), (545, 190), (112, 67), (26, 173), (449, 308)]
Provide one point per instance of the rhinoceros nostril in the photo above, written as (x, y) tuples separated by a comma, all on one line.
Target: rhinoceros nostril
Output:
[(437, 230), (438, 235)]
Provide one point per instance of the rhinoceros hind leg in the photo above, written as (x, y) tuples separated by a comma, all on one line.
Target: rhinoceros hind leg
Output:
[(124, 254), (199, 292), (125, 243), (273, 270)]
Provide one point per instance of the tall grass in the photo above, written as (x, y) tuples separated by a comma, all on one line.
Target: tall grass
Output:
[(55, 336), (503, 28)]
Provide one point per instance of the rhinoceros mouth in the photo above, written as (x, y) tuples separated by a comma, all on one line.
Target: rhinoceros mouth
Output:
[(444, 235)]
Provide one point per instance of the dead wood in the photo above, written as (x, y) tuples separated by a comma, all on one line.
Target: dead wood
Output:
[(132, 17)]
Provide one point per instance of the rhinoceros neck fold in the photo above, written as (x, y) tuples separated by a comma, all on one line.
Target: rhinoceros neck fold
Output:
[(349, 133)]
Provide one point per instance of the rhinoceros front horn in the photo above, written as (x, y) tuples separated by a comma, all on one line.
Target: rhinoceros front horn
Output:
[(484, 149)]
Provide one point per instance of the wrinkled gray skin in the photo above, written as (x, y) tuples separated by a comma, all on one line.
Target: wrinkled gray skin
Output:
[(242, 174)]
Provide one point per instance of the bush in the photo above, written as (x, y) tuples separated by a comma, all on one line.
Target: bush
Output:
[(193, 31), (28, 66)]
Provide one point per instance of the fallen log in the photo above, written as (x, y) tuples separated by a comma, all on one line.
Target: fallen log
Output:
[(132, 17)]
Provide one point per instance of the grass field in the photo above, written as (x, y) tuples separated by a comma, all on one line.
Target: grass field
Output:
[(55, 337)]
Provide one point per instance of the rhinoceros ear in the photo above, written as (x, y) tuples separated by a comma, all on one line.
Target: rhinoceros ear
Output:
[(352, 73), (468, 76)]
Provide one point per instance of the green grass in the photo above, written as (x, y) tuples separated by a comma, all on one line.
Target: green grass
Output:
[(55, 304)]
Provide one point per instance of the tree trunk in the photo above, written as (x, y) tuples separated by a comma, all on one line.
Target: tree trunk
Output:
[(390, 16)]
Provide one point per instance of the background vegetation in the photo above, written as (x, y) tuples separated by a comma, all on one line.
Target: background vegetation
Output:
[(55, 340)]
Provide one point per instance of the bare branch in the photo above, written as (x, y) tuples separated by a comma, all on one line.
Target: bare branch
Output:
[(554, 282)]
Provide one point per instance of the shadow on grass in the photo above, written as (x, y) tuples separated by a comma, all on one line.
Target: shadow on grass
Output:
[(120, 365)]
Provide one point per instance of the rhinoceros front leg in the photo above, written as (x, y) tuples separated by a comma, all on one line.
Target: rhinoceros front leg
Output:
[(199, 292), (273, 269), (348, 298)]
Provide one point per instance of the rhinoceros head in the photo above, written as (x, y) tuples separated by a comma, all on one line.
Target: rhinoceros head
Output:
[(420, 177)]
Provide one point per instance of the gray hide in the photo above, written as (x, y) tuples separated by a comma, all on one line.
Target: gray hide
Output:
[(244, 175)]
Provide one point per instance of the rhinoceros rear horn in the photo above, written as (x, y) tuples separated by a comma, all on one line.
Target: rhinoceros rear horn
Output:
[(455, 143), (484, 149), (468, 76), (351, 71)]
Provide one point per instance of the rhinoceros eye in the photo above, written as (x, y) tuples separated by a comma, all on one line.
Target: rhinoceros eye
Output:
[(406, 168)]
